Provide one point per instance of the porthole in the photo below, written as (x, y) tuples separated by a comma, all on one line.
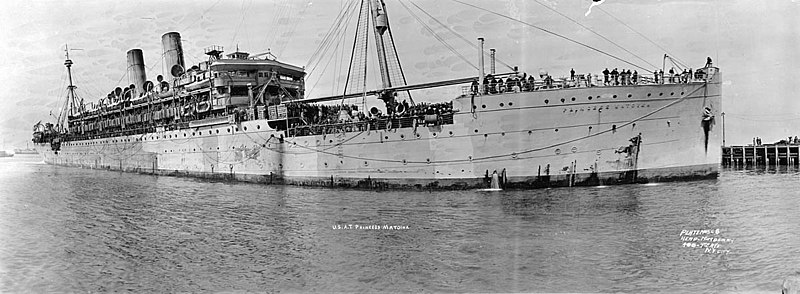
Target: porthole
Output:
[(558, 151), (366, 163), (649, 94), (501, 104), (613, 127), (590, 98), (326, 164), (556, 130), (402, 136), (258, 127), (530, 132), (236, 129), (192, 133), (660, 94), (264, 145), (510, 103), (229, 130), (417, 136), (630, 95), (184, 134), (404, 162), (574, 149), (573, 98), (428, 160), (682, 93), (673, 93), (546, 101), (451, 133), (434, 135), (485, 135), (245, 129), (470, 158), (562, 100), (474, 106), (217, 131), (476, 130), (503, 134), (386, 137), (330, 141), (615, 96)]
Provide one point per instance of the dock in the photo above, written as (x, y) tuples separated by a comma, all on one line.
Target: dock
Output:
[(761, 155)]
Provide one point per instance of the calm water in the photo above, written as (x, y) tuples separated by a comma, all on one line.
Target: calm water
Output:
[(69, 229)]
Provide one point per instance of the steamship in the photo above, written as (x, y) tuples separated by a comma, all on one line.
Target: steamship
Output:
[(242, 117)]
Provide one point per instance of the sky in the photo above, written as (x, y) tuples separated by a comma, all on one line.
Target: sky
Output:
[(755, 43)]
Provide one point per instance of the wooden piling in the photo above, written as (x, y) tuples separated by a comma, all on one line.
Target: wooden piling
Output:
[(766, 155)]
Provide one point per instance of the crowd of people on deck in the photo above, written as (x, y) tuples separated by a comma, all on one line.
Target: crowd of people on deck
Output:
[(615, 77), (790, 141), (320, 114)]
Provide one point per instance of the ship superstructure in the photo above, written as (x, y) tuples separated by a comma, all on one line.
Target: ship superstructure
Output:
[(247, 118)]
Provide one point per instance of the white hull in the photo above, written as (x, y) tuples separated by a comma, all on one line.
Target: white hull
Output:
[(536, 143)]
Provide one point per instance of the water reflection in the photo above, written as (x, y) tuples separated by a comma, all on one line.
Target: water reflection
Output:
[(90, 230)]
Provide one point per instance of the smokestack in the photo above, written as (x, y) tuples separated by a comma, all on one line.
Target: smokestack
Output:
[(480, 67), (136, 74), (173, 53)]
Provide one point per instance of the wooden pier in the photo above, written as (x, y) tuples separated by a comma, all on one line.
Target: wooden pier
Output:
[(761, 155)]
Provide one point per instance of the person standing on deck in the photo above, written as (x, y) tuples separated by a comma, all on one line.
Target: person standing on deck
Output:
[(615, 76), (605, 77), (572, 74), (672, 75), (531, 81)]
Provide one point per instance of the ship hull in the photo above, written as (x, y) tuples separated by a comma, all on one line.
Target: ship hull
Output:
[(548, 138)]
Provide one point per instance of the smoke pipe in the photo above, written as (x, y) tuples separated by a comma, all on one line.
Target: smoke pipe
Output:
[(492, 59), (480, 67)]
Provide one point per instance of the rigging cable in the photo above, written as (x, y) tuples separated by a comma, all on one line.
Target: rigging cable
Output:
[(439, 38), (327, 43), (328, 35), (594, 32), (554, 34), (324, 69), (460, 36), (640, 34)]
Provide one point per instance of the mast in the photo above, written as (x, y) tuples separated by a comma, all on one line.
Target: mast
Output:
[(70, 93), (391, 71)]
